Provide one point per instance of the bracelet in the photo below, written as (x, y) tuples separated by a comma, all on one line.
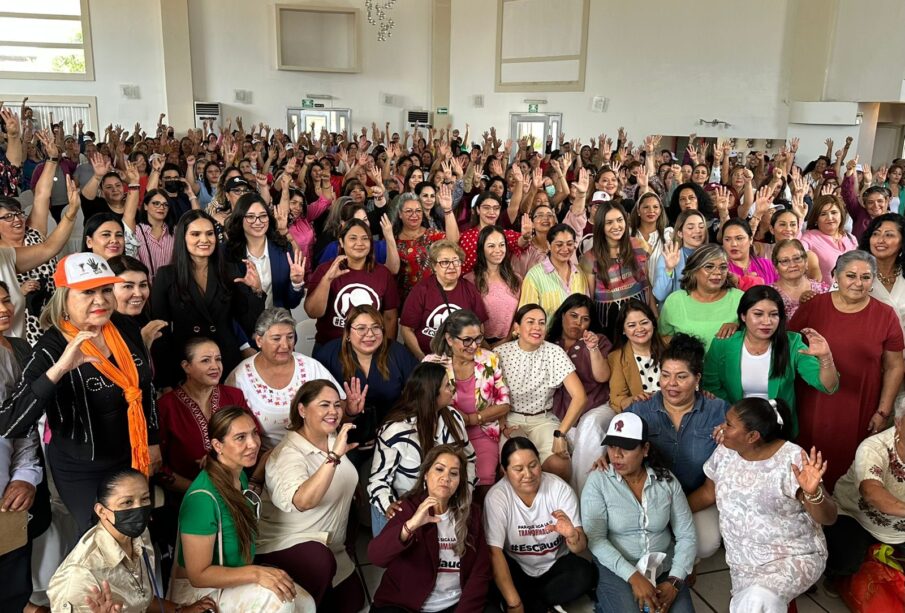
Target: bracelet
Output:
[(406, 530), (480, 418), (332, 458), (815, 498), (882, 414), (514, 606)]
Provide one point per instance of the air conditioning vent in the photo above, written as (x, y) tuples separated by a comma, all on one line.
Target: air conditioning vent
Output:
[(419, 118), (207, 111), (478, 101)]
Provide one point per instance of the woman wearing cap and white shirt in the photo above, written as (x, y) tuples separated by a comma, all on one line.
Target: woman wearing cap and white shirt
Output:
[(532, 526), (90, 373), (637, 508)]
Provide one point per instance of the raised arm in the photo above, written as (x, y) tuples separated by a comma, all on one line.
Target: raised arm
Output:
[(101, 167), (40, 209), (35, 255), (14, 152), (130, 209)]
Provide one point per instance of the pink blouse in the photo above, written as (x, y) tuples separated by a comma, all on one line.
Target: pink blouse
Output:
[(828, 249), (302, 229)]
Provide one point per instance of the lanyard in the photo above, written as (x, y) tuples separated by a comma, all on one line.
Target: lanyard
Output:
[(153, 579)]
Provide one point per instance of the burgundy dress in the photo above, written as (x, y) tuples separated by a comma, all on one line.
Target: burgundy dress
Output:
[(837, 423), (183, 428)]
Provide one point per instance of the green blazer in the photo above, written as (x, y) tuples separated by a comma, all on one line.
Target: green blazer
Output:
[(723, 372)]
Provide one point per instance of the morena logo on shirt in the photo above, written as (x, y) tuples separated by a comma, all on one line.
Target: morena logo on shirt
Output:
[(437, 317), (354, 294)]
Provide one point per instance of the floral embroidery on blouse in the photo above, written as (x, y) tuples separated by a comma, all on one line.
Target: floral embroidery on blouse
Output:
[(197, 413), (274, 398)]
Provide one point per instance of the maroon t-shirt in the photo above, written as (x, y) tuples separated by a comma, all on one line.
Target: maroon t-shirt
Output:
[(355, 288), (426, 308)]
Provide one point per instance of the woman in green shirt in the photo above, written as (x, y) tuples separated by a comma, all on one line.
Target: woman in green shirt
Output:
[(707, 307), (763, 360), (218, 525)]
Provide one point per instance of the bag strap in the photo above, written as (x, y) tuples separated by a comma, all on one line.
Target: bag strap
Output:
[(219, 527)]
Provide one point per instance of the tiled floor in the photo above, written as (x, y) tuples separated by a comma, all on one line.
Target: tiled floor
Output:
[(710, 594)]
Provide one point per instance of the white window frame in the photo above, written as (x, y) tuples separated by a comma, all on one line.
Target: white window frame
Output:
[(85, 46)]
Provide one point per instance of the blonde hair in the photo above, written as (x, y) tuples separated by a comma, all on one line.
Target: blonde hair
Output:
[(443, 245), (55, 311)]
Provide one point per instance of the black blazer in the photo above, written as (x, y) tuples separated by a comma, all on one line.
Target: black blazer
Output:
[(211, 315), (281, 286)]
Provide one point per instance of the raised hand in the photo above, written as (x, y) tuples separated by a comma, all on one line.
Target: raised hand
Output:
[(810, 475), (817, 345), (296, 267), (341, 445), (100, 600), (591, 340), (99, 163), (527, 226), (151, 331), (132, 175), (337, 268), (584, 180), (251, 279), (423, 515), (444, 197), (671, 254), (763, 201), (48, 142), (355, 396), (563, 525)]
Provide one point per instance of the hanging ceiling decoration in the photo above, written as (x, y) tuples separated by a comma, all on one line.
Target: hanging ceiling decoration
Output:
[(378, 16)]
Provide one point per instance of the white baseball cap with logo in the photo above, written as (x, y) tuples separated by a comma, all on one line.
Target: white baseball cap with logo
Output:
[(83, 271), (626, 431)]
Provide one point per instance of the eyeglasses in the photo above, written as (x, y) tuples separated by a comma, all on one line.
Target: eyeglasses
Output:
[(490, 209), (544, 216), (240, 190), (468, 341), (10, 217), (411, 212), (449, 263), (363, 330), (708, 268), (798, 259), (160, 204), (262, 218)]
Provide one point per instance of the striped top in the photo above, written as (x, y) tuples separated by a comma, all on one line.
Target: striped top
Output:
[(153, 252), (544, 286), (397, 458), (623, 283)]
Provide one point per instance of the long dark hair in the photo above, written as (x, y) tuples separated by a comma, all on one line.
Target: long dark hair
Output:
[(573, 302), (635, 217), (757, 415), (347, 357), (236, 243), (601, 249), (93, 223), (705, 204), (657, 346), (874, 225), (241, 512), (419, 400), (370, 260), (780, 341), (459, 502), (182, 261), (480, 268)]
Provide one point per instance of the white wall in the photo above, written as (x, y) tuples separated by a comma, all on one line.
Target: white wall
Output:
[(127, 47), (662, 69), (233, 42)]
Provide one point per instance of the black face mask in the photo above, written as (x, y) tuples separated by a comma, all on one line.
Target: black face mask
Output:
[(132, 522), (172, 186)]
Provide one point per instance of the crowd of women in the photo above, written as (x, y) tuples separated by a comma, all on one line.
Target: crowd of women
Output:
[(536, 374)]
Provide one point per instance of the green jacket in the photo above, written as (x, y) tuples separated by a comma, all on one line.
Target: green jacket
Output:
[(723, 372)]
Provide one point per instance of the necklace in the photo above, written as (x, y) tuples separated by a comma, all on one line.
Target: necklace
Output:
[(891, 278), (135, 576)]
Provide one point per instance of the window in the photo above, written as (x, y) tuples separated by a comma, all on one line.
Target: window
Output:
[(317, 39), (50, 39)]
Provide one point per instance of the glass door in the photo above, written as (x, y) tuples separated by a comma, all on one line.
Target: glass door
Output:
[(334, 120), (539, 125)]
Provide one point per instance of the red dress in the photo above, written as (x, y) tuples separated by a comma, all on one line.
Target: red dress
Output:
[(837, 423), (183, 428)]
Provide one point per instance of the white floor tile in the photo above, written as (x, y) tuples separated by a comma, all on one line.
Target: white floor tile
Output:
[(699, 605), (806, 605)]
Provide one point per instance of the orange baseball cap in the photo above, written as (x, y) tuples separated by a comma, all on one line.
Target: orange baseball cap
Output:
[(83, 271)]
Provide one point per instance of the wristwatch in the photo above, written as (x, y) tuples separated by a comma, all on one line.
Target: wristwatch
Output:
[(557, 434), (676, 583)]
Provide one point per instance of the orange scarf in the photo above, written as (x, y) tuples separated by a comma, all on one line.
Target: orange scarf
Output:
[(126, 377)]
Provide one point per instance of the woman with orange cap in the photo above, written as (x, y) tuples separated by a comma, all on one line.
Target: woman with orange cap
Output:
[(91, 376)]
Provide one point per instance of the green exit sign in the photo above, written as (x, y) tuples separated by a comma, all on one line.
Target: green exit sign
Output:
[(307, 103), (442, 110), (532, 108)]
